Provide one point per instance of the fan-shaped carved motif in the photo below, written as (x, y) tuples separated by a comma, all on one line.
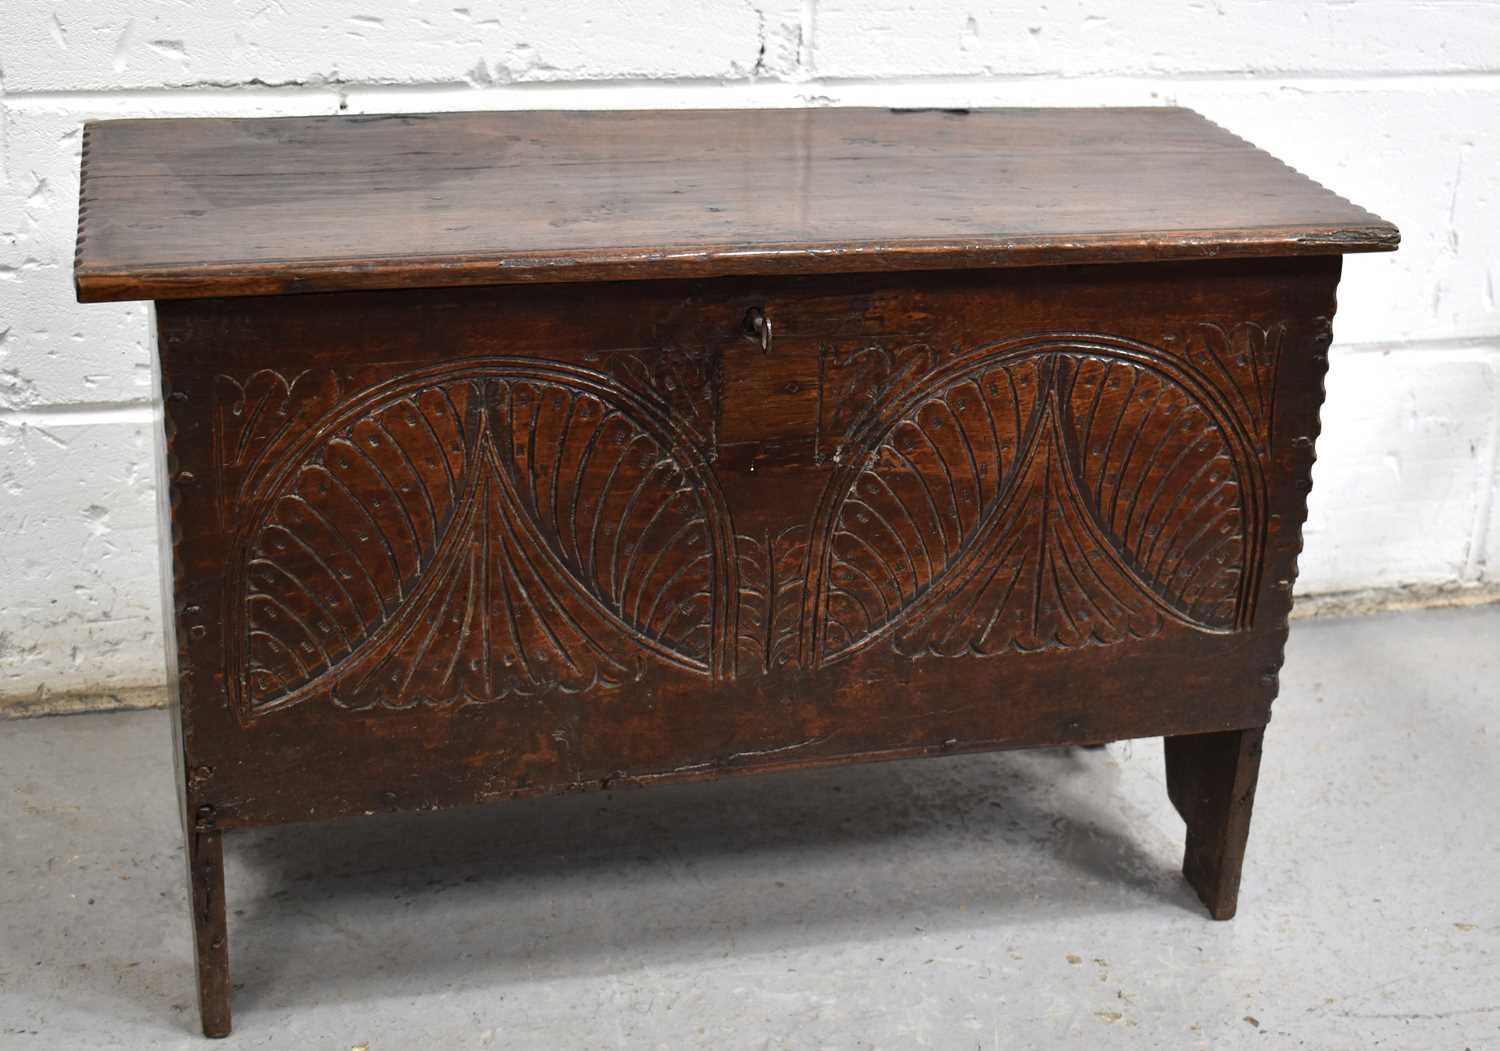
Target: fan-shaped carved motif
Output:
[(499, 529), (1161, 479), (1054, 494)]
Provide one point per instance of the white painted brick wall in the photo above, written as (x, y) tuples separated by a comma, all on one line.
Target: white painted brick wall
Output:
[(1395, 104)]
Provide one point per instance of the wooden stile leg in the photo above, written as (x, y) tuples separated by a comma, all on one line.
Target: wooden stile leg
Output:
[(205, 857), (1211, 780)]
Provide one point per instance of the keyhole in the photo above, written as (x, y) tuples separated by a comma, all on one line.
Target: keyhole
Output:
[(758, 328)]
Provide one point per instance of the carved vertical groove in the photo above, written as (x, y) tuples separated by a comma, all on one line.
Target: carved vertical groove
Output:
[(773, 570)]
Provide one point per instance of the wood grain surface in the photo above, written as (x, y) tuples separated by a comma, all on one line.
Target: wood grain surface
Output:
[(442, 546), (228, 207)]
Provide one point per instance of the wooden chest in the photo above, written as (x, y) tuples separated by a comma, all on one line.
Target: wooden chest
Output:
[(537, 452)]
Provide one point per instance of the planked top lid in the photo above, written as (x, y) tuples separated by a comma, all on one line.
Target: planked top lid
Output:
[(186, 208)]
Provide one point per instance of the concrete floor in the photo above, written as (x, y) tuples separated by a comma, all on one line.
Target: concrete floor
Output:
[(1005, 901)]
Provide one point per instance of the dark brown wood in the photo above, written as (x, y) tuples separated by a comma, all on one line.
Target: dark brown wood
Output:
[(205, 859), (190, 208), (1211, 781), (445, 546), (430, 547), (450, 546)]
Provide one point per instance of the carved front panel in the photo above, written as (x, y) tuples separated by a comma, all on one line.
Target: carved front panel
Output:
[(509, 527), (468, 533)]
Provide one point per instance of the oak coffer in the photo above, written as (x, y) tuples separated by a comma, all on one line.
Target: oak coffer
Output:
[(510, 453)]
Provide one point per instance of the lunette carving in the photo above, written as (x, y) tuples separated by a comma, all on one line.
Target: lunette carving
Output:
[(493, 528), (688, 381), (507, 527), (1048, 492), (853, 380), (1241, 360), (253, 421)]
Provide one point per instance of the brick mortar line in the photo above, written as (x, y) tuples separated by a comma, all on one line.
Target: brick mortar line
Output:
[(81, 414), (1328, 81), (1483, 344)]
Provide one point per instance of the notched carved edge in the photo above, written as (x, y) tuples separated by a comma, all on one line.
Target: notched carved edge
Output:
[(84, 197)]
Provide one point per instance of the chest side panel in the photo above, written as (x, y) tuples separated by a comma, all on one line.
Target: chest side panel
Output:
[(443, 546)]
